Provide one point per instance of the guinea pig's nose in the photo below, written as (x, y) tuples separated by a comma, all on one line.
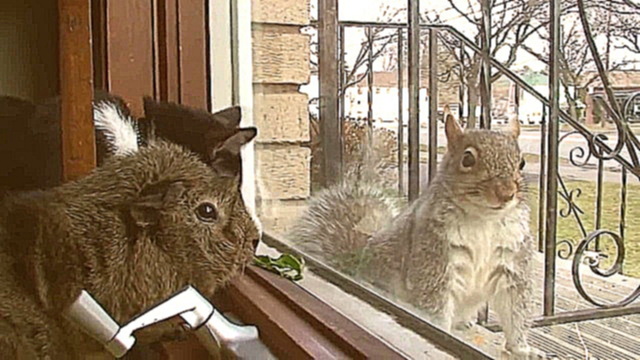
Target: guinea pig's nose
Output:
[(256, 241)]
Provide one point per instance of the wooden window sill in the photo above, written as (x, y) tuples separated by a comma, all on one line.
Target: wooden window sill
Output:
[(293, 323)]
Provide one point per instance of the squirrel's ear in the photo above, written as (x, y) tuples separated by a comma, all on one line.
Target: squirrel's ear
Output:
[(224, 158), (514, 127), (145, 210), (452, 129)]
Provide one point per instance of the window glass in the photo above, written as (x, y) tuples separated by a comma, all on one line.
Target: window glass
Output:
[(361, 228)]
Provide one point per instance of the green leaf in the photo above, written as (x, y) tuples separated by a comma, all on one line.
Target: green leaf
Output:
[(286, 265)]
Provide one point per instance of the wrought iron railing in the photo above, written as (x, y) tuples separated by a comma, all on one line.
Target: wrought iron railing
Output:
[(588, 247)]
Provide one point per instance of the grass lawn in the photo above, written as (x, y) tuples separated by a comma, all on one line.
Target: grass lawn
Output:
[(568, 228)]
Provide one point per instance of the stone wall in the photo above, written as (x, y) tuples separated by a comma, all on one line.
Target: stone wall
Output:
[(281, 113)]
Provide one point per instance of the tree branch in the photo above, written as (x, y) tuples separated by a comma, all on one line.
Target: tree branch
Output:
[(464, 14)]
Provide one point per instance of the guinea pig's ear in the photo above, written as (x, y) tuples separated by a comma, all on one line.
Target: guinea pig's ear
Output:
[(145, 209), (225, 158), (230, 117), (453, 130)]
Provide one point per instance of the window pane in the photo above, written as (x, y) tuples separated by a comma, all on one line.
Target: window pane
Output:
[(301, 163)]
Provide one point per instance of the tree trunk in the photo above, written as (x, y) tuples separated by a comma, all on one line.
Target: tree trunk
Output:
[(473, 103), (573, 111), (571, 101)]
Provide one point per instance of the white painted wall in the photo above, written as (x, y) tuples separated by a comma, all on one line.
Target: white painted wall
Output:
[(220, 54), (231, 75), (385, 105), (531, 108)]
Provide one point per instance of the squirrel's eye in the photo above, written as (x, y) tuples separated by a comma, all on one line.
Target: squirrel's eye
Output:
[(522, 164), (468, 159), (207, 212)]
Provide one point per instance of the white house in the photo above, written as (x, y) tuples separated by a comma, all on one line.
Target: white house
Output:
[(386, 99)]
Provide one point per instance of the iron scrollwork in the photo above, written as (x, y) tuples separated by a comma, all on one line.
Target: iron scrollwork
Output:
[(584, 252), (564, 249), (625, 135), (593, 261)]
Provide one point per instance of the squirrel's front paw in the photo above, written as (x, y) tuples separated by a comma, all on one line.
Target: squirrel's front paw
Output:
[(524, 352), (464, 325)]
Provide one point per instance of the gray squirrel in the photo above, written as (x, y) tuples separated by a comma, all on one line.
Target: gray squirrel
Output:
[(469, 232), (133, 232)]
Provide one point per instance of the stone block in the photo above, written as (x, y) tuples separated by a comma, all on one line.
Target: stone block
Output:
[(278, 217), (280, 11), (283, 172), (281, 117), (280, 56)]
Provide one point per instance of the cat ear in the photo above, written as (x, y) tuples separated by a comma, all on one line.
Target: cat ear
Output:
[(145, 209), (230, 117), (514, 127), (453, 130), (225, 159)]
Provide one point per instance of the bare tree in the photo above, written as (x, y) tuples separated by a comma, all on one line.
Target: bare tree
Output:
[(574, 61), (380, 38), (625, 26), (577, 67), (513, 22)]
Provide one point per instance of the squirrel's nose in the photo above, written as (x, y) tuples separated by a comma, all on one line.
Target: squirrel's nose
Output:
[(506, 192), (508, 197)]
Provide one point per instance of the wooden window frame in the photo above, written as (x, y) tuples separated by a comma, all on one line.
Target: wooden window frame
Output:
[(293, 322)]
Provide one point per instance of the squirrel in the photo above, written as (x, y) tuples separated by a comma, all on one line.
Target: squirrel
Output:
[(132, 232), (468, 234)]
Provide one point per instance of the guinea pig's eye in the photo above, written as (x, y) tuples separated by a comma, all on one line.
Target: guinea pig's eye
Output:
[(468, 159), (522, 164), (207, 212)]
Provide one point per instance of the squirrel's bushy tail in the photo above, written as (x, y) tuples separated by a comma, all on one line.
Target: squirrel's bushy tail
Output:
[(339, 220)]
